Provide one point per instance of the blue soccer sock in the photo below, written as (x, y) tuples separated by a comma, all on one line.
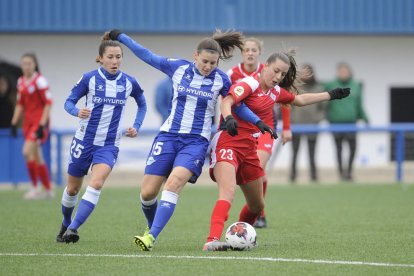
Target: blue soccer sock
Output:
[(87, 204), (68, 204), (164, 212), (149, 208)]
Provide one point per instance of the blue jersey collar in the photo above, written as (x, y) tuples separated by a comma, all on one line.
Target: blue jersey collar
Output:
[(108, 75)]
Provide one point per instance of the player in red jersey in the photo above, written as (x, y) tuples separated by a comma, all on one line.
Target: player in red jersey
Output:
[(234, 159), (252, 50), (34, 103)]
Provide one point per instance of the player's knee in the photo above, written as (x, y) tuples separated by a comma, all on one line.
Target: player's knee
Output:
[(257, 207), (72, 190), (148, 194), (97, 183)]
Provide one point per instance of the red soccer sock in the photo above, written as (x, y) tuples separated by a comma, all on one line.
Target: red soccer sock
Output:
[(247, 216), (43, 174), (218, 218), (264, 194), (31, 168)]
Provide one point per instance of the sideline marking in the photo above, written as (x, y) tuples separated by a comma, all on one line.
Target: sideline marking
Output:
[(268, 259)]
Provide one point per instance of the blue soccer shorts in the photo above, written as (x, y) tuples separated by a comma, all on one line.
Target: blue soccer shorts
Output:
[(170, 150), (83, 155)]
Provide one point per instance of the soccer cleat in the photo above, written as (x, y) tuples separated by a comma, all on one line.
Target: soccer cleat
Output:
[(216, 245), (32, 194), (59, 237), (145, 242), (260, 222), (71, 235), (50, 194)]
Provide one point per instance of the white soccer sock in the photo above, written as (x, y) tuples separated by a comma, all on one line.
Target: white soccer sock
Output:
[(91, 195), (169, 197), (67, 200), (148, 202)]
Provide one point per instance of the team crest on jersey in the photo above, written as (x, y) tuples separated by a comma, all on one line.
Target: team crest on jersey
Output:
[(273, 96), (239, 90), (207, 82), (120, 88), (31, 89), (187, 76), (100, 88)]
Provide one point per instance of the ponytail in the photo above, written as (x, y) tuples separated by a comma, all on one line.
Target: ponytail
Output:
[(222, 43), (106, 42)]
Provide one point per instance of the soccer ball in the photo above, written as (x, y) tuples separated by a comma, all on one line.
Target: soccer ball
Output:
[(241, 236)]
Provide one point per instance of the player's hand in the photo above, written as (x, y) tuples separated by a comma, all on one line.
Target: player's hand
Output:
[(131, 132), (231, 125), (13, 131), (84, 113), (265, 128), (40, 132), (114, 33), (286, 136), (339, 93)]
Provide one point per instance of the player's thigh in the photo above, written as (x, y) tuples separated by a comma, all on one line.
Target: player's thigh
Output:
[(253, 192), (264, 157), (225, 176), (29, 149), (177, 179)]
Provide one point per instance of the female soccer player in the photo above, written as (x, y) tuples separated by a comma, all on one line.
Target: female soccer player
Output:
[(179, 150), (34, 102), (252, 49), (234, 159), (97, 139)]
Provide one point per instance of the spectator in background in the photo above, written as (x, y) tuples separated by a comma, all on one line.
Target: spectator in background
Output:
[(311, 114), (9, 74), (163, 96), (348, 112)]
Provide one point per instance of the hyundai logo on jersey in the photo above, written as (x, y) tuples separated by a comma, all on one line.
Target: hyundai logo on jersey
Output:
[(109, 101), (195, 92)]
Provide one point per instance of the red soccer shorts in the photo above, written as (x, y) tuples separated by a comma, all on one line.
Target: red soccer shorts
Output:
[(265, 143), (240, 151), (29, 132)]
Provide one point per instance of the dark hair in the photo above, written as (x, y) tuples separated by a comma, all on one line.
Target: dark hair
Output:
[(34, 58), (105, 43), (309, 76), (290, 81), (222, 43)]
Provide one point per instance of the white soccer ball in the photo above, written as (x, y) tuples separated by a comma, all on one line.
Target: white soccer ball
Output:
[(241, 236)]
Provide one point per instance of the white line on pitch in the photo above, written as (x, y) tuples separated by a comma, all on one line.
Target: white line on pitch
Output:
[(268, 259)]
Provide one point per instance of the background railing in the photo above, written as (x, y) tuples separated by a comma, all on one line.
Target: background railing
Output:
[(12, 166)]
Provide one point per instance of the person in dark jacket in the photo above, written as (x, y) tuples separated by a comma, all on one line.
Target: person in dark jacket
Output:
[(311, 114)]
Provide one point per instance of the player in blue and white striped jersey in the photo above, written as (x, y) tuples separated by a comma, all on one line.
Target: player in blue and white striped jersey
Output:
[(96, 142), (179, 150)]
